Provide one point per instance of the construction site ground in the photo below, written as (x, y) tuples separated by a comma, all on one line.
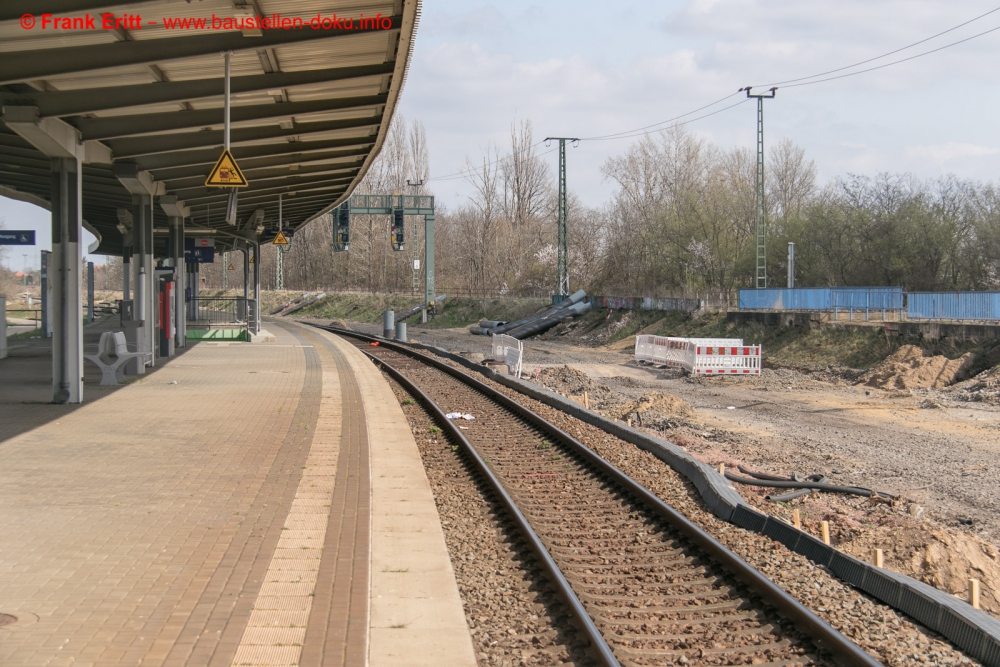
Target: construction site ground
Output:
[(935, 448)]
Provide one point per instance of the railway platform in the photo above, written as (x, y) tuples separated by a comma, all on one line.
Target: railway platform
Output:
[(238, 505)]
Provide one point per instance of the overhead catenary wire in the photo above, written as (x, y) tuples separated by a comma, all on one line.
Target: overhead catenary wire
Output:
[(459, 175), (894, 62), (886, 54), (638, 133), (619, 135)]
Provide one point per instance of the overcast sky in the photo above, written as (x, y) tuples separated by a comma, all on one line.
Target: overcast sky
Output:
[(588, 69)]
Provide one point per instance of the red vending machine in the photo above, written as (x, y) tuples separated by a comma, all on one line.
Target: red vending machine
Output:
[(165, 314)]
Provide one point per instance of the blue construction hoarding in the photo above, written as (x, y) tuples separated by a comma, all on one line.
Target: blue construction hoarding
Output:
[(822, 298), (953, 306)]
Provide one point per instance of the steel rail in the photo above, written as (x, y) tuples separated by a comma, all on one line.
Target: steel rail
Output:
[(527, 532), (845, 651)]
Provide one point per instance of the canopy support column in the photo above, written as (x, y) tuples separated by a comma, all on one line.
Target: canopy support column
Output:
[(65, 268)]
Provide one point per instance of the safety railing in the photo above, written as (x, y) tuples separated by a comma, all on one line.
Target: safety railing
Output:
[(708, 356), (220, 310), (20, 313)]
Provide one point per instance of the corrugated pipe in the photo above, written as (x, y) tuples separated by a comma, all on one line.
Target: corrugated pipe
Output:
[(300, 306), (416, 309), (798, 493), (788, 484), (545, 323), (291, 303), (507, 327)]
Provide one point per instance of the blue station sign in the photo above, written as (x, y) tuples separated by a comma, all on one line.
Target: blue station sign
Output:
[(199, 255), (17, 237)]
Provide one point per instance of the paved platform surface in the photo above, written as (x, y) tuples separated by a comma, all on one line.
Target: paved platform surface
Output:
[(242, 504)]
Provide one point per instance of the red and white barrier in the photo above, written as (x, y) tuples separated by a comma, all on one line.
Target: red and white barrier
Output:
[(700, 356)]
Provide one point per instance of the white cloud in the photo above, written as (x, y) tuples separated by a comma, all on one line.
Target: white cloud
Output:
[(949, 151)]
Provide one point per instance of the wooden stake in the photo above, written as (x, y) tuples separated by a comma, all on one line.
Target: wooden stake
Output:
[(796, 519), (722, 469), (974, 593), (586, 400), (879, 558), (825, 527)]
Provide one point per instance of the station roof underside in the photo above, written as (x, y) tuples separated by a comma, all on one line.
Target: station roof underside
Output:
[(310, 107)]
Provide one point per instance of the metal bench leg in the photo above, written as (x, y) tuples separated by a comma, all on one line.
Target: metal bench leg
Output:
[(108, 376)]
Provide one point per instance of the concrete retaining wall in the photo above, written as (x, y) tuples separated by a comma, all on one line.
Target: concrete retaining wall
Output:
[(925, 330)]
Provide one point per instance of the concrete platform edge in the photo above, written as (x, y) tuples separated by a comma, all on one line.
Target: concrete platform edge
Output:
[(416, 613)]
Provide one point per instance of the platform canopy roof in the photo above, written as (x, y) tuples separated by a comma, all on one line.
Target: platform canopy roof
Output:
[(310, 107)]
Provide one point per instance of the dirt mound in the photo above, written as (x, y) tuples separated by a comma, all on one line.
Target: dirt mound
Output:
[(340, 324), (628, 343), (571, 382), (910, 368), (655, 411)]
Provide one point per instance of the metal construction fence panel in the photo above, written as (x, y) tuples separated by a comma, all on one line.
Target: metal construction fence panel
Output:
[(708, 356), (727, 359), (953, 305), (508, 350), (822, 298)]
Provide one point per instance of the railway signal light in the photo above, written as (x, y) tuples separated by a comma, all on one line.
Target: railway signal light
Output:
[(396, 230), (342, 227)]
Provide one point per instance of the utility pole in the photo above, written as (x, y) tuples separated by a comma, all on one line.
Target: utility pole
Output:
[(562, 238), (415, 265), (760, 216)]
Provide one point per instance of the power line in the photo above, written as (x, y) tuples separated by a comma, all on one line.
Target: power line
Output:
[(458, 175), (895, 62), (889, 53), (638, 133), (640, 130)]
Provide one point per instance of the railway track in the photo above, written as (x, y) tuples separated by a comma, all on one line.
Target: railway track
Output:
[(647, 586)]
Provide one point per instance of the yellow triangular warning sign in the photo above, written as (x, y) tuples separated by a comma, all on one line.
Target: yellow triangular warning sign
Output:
[(280, 239), (251, 260), (226, 173), (232, 268)]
